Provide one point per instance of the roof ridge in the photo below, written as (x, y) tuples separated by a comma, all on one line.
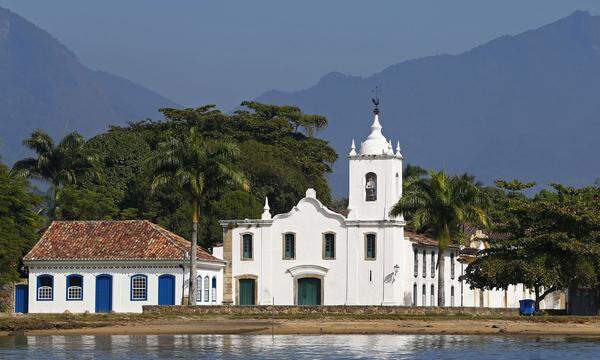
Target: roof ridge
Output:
[(169, 234)]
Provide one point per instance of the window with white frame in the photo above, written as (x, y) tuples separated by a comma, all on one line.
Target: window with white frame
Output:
[(139, 288), (452, 265), (433, 264), (452, 295), (45, 288), (206, 289), (423, 296), (432, 300), (199, 288), (74, 287), (416, 263), (424, 263)]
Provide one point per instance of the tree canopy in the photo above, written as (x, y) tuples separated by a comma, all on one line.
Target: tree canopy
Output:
[(548, 242), (19, 223)]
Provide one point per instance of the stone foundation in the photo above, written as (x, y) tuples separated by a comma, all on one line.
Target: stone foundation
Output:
[(327, 310)]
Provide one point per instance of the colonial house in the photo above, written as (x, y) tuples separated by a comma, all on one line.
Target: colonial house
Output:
[(104, 266), (314, 256)]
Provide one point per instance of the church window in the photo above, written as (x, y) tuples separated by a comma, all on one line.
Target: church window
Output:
[(247, 247), (424, 264), (424, 296), (433, 264), (451, 265), (452, 295), (414, 299), (432, 300), (199, 288), (329, 246), (214, 289), (370, 246), (206, 289), (371, 187), (45, 288), (289, 246), (416, 262)]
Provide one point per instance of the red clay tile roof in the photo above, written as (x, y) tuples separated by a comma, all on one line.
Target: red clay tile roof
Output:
[(111, 240), (422, 239)]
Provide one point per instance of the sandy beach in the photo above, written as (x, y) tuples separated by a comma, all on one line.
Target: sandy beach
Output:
[(226, 325)]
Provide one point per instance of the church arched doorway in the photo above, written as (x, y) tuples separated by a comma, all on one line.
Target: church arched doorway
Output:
[(309, 291)]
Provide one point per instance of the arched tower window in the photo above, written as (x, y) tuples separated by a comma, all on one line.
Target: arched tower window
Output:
[(371, 187)]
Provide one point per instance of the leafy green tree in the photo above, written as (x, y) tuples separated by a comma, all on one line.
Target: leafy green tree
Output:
[(87, 204), (439, 206), (59, 164), (547, 243), (19, 222), (200, 168)]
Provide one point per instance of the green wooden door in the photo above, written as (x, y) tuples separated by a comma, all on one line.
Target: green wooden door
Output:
[(309, 291), (247, 287)]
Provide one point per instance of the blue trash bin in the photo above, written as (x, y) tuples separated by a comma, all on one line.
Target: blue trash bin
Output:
[(526, 307)]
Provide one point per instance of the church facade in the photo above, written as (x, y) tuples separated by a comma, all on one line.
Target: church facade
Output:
[(314, 256)]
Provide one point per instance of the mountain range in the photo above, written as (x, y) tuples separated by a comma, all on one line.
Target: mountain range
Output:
[(525, 106), (44, 86)]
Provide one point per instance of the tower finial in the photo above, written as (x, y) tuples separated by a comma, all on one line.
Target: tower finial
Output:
[(352, 149), (266, 215), (376, 100)]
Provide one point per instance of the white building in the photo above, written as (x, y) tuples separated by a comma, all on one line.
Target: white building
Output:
[(312, 255), (104, 266)]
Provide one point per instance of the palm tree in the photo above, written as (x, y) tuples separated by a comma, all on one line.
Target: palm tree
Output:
[(439, 206), (198, 167), (59, 164)]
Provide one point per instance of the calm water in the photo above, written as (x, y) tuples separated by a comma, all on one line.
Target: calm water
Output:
[(296, 347)]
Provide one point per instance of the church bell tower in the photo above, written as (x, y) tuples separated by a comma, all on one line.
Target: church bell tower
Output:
[(375, 175)]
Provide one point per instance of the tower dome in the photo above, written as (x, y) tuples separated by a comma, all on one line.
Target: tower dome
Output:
[(376, 143)]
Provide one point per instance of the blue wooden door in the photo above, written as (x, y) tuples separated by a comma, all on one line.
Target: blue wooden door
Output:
[(21, 299), (166, 290), (103, 293)]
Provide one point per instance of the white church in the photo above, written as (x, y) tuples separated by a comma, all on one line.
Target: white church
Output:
[(308, 256), (314, 256)]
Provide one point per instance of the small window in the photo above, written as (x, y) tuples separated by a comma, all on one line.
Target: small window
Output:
[(371, 187), (139, 288), (423, 296), (452, 296), (45, 288), (433, 264), (206, 289), (74, 287), (370, 275), (416, 262), (329, 246), (452, 266), (432, 300), (247, 247), (199, 288), (414, 300), (370, 246), (424, 264), (214, 289), (289, 246)]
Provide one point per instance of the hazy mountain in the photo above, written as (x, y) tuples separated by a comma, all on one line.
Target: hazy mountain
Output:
[(524, 106), (43, 85)]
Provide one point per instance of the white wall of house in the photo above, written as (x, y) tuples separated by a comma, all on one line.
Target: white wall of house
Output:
[(121, 286)]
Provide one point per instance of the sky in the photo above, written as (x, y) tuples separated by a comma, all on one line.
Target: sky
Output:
[(223, 52)]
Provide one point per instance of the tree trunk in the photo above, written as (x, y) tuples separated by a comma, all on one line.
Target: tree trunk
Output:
[(193, 258), (441, 281), (537, 298)]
